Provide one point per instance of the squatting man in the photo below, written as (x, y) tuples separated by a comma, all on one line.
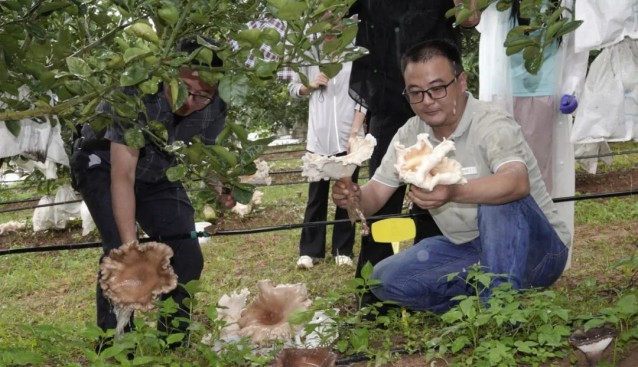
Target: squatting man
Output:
[(503, 218)]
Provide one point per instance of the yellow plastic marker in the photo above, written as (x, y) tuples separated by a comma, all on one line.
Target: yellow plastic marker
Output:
[(393, 230)]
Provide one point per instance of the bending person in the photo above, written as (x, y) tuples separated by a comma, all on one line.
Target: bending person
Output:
[(123, 186)]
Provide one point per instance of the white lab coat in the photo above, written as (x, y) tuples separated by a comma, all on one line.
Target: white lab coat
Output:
[(495, 85)]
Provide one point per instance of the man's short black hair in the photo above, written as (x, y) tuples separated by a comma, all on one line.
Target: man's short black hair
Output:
[(189, 45), (426, 50)]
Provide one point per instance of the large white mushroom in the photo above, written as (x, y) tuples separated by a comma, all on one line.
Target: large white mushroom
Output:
[(426, 166), (317, 167), (134, 276), (266, 318)]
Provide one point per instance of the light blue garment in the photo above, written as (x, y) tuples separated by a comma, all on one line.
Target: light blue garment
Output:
[(516, 239), (525, 84)]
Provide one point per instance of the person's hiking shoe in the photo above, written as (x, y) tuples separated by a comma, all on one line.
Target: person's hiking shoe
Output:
[(343, 260), (304, 262)]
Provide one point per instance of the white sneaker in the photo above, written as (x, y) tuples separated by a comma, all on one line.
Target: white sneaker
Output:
[(304, 262), (343, 260)]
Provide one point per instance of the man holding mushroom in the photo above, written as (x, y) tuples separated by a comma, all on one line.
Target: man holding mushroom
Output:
[(503, 217)]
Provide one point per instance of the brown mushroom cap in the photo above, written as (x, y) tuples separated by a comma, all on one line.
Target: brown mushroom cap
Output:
[(134, 275)]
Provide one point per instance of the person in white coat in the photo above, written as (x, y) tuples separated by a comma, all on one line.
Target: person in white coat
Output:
[(535, 100), (333, 118)]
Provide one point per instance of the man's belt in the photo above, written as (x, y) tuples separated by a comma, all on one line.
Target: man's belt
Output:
[(91, 144)]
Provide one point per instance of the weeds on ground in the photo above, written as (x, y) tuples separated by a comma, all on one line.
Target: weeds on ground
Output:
[(508, 329)]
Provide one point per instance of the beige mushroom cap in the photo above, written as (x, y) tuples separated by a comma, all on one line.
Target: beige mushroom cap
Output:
[(134, 275), (317, 167), (425, 166), (266, 318)]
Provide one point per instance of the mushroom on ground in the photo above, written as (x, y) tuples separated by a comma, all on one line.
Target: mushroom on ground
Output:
[(266, 318), (133, 276)]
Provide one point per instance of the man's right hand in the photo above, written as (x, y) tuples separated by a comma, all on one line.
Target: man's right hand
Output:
[(342, 190)]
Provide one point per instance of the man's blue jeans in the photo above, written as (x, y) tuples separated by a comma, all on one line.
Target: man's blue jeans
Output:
[(515, 240)]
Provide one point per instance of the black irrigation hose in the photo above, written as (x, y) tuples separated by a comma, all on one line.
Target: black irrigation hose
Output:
[(556, 200), (19, 201), (363, 357), (283, 151), (596, 196), (607, 154), (195, 234), (38, 206)]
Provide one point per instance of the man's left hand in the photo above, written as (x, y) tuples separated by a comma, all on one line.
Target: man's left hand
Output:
[(425, 199)]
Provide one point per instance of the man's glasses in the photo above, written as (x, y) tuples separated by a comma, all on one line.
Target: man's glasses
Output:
[(200, 99), (438, 92)]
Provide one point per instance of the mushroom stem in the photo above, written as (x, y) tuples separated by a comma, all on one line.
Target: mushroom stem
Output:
[(593, 342), (354, 210)]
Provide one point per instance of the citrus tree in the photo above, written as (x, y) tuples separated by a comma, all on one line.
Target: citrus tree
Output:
[(60, 58)]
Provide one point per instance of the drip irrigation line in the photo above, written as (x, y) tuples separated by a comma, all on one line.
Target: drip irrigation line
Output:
[(16, 187), (556, 200), (596, 196), (39, 206), (197, 234), (191, 235), (363, 357), (19, 201), (607, 154), (283, 151)]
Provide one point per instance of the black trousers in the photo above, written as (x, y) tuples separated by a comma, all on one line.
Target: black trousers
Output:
[(313, 239), (383, 127), (162, 209)]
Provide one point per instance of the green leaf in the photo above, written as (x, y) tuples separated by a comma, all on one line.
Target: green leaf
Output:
[(269, 36), (569, 27), (289, 10), (463, 15), (628, 305), (331, 70), (234, 88), (135, 52), (49, 7), (149, 86), (226, 155), (534, 64), (132, 75), (14, 127), (78, 66), (134, 138), (174, 338), (460, 343), (169, 14), (366, 271), (249, 37), (265, 69), (242, 193)]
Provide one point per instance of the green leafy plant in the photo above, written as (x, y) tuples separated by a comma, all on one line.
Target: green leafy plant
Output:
[(547, 24), (508, 328)]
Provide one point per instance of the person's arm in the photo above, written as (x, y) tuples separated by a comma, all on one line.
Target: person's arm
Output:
[(357, 122), (123, 165), (371, 196), (321, 80), (475, 18), (509, 183)]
